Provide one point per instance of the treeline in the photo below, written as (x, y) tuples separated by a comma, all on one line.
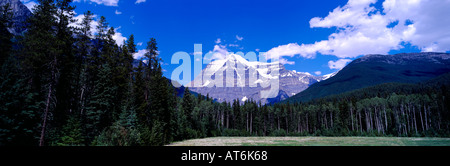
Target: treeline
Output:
[(63, 86), (415, 115)]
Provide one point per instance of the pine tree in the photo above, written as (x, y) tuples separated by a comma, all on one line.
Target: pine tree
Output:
[(102, 29), (152, 59), (18, 118), (68, 65), (188, 106), (139, 94), (152, 55), (41, 58), (98, 112), (85, 59), (18, 106), (6, 16), (162, 97), (157, 105), (72, 132)]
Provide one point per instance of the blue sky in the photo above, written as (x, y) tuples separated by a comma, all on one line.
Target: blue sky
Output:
[(318, 37)]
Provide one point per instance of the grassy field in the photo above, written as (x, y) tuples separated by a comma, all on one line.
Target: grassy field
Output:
[(315, 141)]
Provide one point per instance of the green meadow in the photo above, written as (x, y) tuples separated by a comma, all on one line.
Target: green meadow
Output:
[(315, 141)]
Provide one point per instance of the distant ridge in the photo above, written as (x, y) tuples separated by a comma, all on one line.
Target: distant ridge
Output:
[(376, 69), (20, 14)]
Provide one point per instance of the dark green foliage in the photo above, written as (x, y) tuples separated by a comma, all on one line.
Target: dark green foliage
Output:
[(5, 37), (42, 56), (156, 109), (188, 106), (18, 117), (99, 110), (58, 88), (413, 110), (72, 133), (118, 135)]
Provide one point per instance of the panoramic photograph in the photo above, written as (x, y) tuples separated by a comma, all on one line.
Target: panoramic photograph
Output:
[(229, 73)]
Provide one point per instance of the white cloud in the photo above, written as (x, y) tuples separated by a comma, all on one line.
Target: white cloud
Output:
[(139, 54), (339, 64), (139, 1), (285, 61), (240, 38), (288, 50), (362, 29), (429, 30), (217, 41), (318, 73), (117, 12), (118, 37), (219, 52), (139, 44)]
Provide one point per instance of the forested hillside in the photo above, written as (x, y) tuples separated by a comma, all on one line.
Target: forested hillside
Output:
[(371, 70), (64, 86)]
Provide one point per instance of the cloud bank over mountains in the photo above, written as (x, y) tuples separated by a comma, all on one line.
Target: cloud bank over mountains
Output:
[(361, 29)]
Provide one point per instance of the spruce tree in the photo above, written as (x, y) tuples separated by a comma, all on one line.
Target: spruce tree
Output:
[(19, 117), (188, 106), (152, 55), (86, 73), (72, 132), (6, 16), (162, 105), (103, 108), (18, 106), (41, 59), (98, 113), (139, 94), (68, 65)]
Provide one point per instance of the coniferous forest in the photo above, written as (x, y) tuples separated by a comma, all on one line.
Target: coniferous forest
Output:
[(64, 86)]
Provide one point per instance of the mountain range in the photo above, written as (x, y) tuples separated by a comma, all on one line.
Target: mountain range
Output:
[(294, 86), (376, 69), (290, 82), (20, 14)]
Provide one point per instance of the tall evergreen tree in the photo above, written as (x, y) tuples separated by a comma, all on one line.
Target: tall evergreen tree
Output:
[(84, 48), (103, 108), (6, 16), (152, 54), (98, 113), (41, 58), (68, 64), (187, 106), (139, 94)]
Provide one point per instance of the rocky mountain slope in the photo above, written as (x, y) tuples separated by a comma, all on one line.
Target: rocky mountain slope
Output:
[(243, 86), (372, 70), (20, 15)]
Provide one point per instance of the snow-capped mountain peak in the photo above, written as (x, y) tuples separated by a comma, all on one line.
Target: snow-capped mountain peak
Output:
[(244, 87), (327, 76)]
